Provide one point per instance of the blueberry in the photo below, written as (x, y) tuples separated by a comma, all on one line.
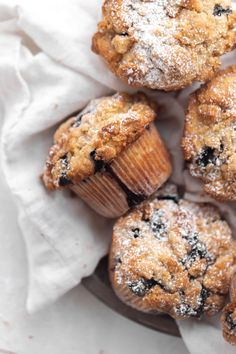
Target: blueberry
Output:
[(201, 301), (198, 250), (64, 160), (157, 225), (231, 323), (136, 232), (142, 286), (99, 165), (64, 180), (207, 156), (220, 10), (186, 310)]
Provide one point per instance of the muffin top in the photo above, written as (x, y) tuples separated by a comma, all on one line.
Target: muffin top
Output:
[(228, 318), (96, 136), (210, 135), (173, 256), (164, 44)]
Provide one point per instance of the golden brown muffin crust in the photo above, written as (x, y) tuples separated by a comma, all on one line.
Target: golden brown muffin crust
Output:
[(164, 44), (228, 318), (209, 141), (96, 136), (173, 256)]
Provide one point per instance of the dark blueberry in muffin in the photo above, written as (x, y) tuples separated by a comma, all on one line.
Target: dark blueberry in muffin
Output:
[(64, 161), (157, 225), (198, 249), (186, 310), (142, 286), (64, 180), (230, 322), (201, 300), (65, 166), (136, 232), (99, 165), (220, 10), (207, 156)]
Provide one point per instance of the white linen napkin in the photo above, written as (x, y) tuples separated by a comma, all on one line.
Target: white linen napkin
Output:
[(47, 72)]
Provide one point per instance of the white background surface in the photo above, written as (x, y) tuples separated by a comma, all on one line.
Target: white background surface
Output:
[(77, 324)]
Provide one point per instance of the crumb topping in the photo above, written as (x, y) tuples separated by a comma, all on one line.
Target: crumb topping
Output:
[(228, 320)]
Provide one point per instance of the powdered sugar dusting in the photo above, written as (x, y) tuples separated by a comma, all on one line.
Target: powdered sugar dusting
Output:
[(164, 44), (153, 51)]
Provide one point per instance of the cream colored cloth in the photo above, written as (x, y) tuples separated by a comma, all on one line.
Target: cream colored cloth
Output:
[(47, 72)]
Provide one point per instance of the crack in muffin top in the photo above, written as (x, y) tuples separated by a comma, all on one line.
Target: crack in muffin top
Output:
[(164, 44), (175, 256), (209, 141), (83, 144)]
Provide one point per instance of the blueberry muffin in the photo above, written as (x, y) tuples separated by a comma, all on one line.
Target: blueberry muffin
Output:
[(167, 44), (110, 154), (173, 256), (209, 141), (228, 317)]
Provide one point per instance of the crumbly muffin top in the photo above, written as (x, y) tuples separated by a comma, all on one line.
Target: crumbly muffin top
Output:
[(164, 44), (210, 135), (173, 256), (228, 318), (96, 136)]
